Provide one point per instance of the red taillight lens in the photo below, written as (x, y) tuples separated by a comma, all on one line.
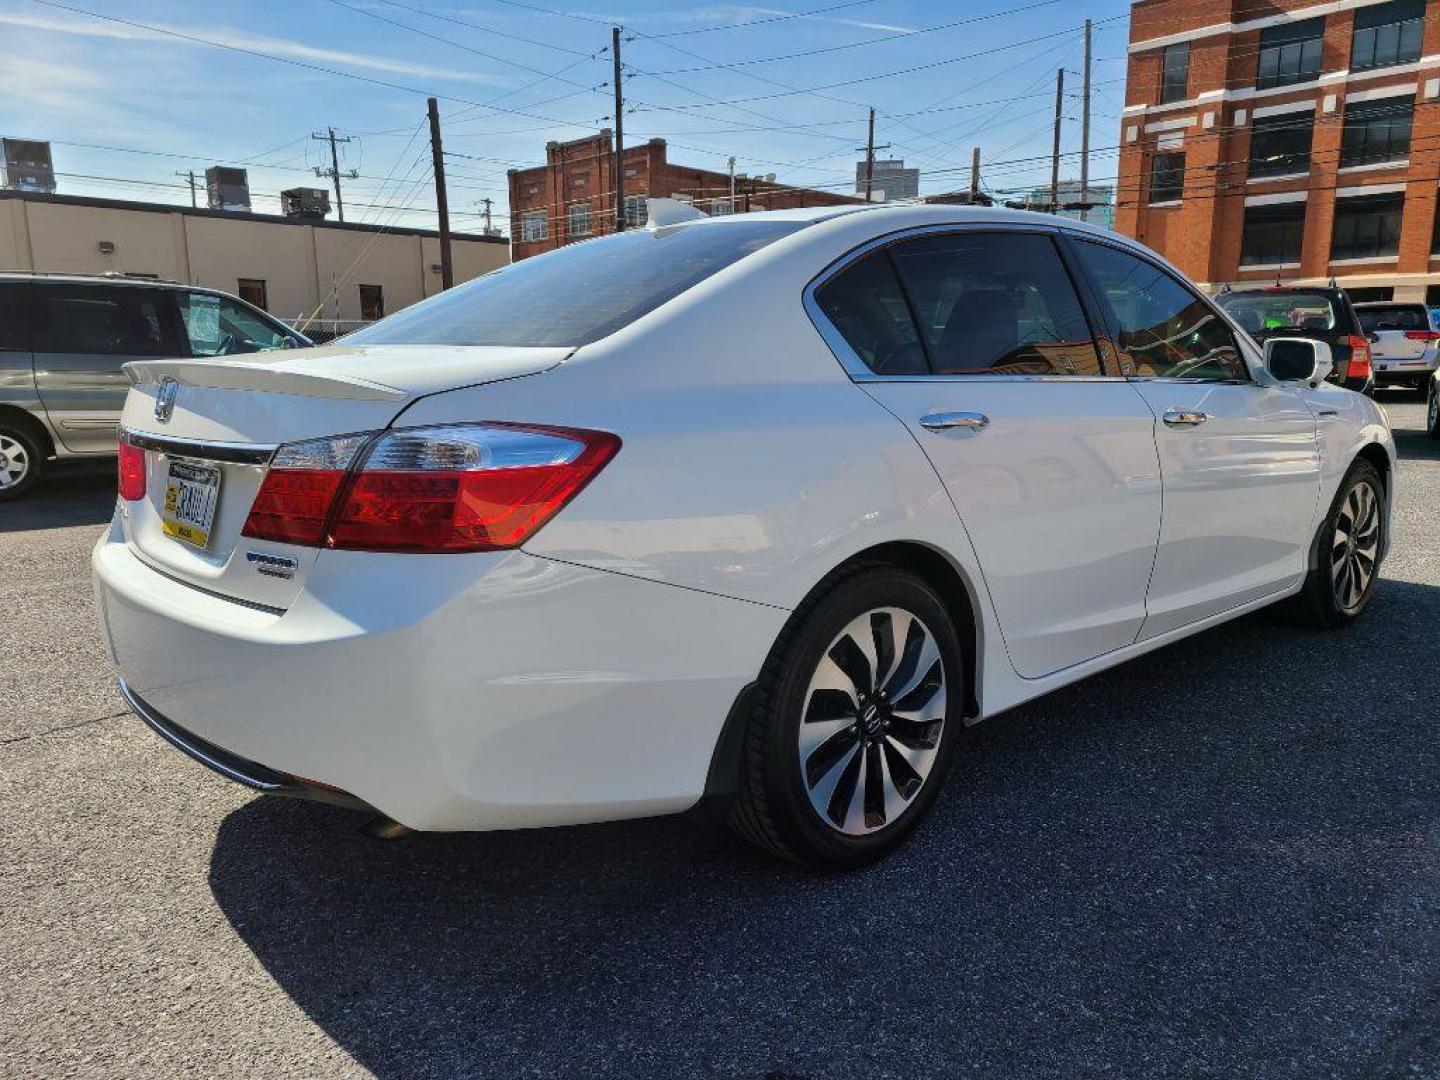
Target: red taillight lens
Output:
[(132, 471), (462, 487), (1359, 366), (473, 487), (1423, 335)]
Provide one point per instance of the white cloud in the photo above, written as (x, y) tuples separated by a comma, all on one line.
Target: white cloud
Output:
[(275, 46)]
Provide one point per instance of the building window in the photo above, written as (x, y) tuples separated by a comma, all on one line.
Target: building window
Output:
[(577, 219), (1175, 73), (1281, 144), (1367, 226), (1387, 34), (637, 211), (533, 226), (1290, 53), (252, 291), (372, 302), (1272, 234), (722, 207), (1376, 131), (1167, 177)]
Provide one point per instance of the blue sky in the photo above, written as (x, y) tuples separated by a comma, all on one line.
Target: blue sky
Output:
[(713, 79)]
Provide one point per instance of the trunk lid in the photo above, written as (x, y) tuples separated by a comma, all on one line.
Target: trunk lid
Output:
[(226, 417)]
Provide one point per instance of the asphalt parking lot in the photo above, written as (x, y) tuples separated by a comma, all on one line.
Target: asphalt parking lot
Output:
[(1221, 859)]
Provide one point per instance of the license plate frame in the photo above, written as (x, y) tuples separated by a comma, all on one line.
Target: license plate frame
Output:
[(192, 498)]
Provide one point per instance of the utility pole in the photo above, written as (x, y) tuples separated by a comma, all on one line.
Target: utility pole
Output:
[(442, 203), (974, 175), (619, 132), (732, 183), (870, 149), (486, 203), (334, 172), (1055, 151), (189, 174), (1085, 132)]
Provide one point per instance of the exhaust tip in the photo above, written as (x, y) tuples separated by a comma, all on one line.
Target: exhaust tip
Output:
[(381, 827)]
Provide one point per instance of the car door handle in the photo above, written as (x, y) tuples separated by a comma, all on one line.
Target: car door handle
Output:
[(944, 421), (1184, 418)]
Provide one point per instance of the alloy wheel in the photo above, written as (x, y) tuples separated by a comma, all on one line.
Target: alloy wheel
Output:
[(874, 716), (1355, 546), (14, 462)]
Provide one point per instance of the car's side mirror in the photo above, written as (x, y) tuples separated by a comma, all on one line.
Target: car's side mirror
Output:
[(1298, 360)]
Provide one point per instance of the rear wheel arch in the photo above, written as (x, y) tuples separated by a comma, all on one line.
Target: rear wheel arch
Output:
[(14, 416)]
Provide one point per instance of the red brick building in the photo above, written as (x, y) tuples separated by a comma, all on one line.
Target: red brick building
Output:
[(572, 196), (1288, 139)]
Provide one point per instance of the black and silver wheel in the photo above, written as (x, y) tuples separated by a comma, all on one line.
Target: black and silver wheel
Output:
[(1432, 410), (857, 713), (20, 462), (1347, 556)]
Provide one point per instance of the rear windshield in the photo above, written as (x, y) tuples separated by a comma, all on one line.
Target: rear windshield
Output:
[(1267, 313), (578, 294), (1394, 317)]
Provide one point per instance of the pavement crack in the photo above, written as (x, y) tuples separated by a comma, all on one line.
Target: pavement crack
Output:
[(64, 727)]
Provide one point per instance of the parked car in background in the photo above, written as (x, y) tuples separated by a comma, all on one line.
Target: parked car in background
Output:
[(63, 340), (1319, 313), (1406, 343), (762, 508)]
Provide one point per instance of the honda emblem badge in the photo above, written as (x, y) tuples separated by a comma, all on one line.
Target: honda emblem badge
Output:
[(165, 399)]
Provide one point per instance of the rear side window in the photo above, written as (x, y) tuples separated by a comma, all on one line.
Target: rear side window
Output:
[(101, 321), (579, 293), (1399, 317), (995, 303), (14, 332), (865, 304), (1165, 330)]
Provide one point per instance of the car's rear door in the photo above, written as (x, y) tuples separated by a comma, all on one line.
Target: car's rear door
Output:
[(1240, 461), (976, 339), (83, 334)]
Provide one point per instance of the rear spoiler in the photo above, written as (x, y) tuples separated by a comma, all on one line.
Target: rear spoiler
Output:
[(235, 374)]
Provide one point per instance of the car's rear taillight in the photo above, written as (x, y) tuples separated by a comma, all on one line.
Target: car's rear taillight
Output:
[(1422, 335), (295, 499), (1359, 366), (132, 470), (460, 487)]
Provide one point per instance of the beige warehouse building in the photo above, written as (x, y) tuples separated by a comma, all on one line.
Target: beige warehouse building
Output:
[(348, 272)]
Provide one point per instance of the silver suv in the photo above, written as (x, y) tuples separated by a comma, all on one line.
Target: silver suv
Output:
[(64, 338)]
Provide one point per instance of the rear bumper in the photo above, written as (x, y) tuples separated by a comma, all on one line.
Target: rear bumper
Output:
[(447, 692)]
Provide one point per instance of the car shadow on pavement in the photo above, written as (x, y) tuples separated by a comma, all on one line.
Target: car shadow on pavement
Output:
[(1221, 858), (70, 494), (1415, 444)]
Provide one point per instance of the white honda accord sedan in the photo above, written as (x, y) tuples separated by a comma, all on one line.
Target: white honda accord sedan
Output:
[(762, 510)]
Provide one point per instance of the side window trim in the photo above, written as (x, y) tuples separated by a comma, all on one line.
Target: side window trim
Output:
[(1113, 321), (856, 368)]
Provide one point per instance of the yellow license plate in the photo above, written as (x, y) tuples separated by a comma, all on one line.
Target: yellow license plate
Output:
[(192, 494)]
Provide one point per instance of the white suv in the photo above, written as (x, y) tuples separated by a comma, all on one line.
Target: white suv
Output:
[(1405, 342)]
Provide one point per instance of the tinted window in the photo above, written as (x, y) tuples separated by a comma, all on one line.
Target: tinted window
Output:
[(1272, 234), (1281, 144), (14, 334), (1165, 330), (992, 303), (865, 304), (1376, 131), (1388, 34), (579, 293), (1175, 72), (1290, 53), (216, 326), (1265, 314), (1167, 177), (104, 321), (1398, 317), (1367, 226)]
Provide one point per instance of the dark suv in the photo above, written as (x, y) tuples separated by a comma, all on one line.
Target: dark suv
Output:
[(63, 339), (1324, 314)]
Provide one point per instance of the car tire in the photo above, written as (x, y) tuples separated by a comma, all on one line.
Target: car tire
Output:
[(21, 461), (1346, 556), (820, 726), (1432, 411)]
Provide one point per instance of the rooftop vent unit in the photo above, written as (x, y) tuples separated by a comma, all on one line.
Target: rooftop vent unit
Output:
[(227, 189), (28, 166), (308, 203)]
